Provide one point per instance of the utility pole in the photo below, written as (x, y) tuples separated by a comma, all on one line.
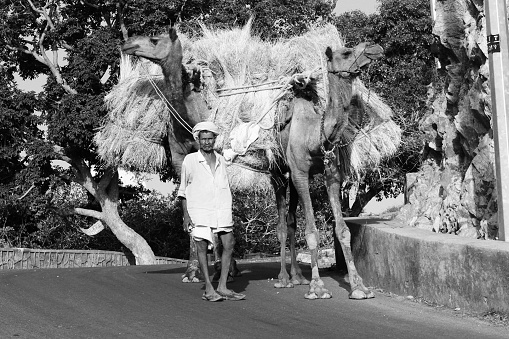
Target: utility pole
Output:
[(498, 54)]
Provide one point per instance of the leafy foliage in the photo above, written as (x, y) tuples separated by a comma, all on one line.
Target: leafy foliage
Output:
[(403, 29), (273, 19), (256, 219)]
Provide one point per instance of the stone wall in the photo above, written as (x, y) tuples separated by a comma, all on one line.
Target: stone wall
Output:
[(455, 190), (26, 258), (440, 269)]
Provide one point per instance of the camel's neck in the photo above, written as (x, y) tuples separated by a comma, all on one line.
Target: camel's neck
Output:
[(336, 113), (172, 72)]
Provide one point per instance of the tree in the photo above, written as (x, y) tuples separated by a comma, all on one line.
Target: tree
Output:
[(18, 132), (273, 19), (71, 103), (403, 28)]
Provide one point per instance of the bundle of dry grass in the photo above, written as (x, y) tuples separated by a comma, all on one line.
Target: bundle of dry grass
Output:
[(251, 75), (376, 138), (132, 134)]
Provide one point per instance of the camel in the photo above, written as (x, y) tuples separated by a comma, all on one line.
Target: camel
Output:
[(166, 51), (309, 140)]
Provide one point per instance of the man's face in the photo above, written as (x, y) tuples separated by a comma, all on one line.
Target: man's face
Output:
[(206, 140)]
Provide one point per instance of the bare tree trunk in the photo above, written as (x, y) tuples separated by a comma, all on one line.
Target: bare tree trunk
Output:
[(106, 193), (126, 235)]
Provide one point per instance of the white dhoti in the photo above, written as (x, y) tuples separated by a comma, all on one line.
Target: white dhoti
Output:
[(200, 232)]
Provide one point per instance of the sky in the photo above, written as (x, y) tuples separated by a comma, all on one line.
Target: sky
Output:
[(366, 6)]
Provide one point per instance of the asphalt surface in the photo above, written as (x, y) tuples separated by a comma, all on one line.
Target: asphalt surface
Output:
[(151, 302)]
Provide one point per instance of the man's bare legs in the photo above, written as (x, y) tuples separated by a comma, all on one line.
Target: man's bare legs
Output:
[(201, 246), (228, 242)]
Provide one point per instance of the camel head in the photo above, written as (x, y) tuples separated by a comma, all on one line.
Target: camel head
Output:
[(158, 49), (348, 62)]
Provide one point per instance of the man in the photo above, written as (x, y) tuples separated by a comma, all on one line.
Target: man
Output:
[(207, 203)]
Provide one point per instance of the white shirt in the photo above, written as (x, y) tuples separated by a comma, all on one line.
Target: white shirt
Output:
[(209, 199)]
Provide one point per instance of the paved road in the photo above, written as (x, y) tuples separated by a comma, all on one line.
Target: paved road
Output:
[(151, 302)]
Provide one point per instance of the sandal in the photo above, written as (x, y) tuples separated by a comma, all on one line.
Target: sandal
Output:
[(214, 297), (233, 296)]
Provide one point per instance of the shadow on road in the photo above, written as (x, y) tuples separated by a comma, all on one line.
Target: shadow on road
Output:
[(267, 271)]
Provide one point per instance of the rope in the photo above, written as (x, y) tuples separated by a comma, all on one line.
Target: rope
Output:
[(172, 110), (250, 90), (247, 86), (250, 168)]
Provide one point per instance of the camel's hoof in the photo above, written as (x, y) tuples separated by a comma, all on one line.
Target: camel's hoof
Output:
[(186, 279), (359, 295), (311, 296), (317, 290), (300, 281), (321, 294), (282, 284)]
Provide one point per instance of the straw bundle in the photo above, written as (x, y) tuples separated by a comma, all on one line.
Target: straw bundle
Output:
[(132, 134), (239, 60), (377, 138)]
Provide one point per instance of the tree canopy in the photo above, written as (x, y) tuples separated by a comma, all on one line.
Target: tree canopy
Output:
[(402, 78)]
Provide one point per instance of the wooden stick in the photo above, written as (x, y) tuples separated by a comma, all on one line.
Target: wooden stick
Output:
[(246, 86), (251, 90)]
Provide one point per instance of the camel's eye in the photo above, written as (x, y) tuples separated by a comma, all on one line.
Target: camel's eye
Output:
[(154, 41), (346, 53)]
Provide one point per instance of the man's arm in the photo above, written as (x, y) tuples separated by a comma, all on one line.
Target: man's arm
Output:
[(187, 224)]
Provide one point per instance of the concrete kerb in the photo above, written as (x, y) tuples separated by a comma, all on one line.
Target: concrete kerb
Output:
[(440, 268)]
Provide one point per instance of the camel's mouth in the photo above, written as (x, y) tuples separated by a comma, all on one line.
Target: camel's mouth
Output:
[(130, 49)]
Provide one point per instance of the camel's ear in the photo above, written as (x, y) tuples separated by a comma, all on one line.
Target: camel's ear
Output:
[(173, 33), (373, 51), (328, 53)]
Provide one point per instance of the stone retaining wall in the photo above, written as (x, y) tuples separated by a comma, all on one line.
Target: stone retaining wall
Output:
[(445, 269), (27, 258)]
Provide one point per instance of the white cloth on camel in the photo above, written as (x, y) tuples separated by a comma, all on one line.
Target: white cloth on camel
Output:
[(241, 137)]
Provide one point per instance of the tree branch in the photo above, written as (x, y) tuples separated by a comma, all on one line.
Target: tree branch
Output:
[(86, 179), (88, 213), (42, 56), (26, 193), (120, 14), (106, 179)]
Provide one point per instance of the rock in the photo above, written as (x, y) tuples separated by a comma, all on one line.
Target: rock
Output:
[(455, 190)]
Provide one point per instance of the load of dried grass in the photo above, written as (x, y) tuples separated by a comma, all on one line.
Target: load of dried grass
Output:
[(251, 77), (132, 134), (239, 60)]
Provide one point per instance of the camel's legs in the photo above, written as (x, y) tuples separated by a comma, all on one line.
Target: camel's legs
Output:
[(193, 272), (283, 277), (358, 290), (286, 228), (291, 221), (301, 182)]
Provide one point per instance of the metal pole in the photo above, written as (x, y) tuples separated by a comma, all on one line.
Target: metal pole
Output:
[(498, 53)]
